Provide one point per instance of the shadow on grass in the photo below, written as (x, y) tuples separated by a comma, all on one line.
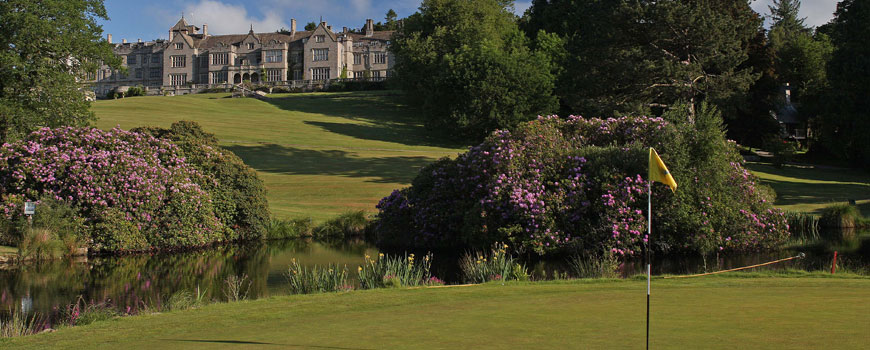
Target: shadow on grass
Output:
[(384, 118), (792, 193), (812, 173), (242, 342), (296, 161)]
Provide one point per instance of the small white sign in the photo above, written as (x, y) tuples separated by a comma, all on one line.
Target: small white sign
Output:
[(29, 208)]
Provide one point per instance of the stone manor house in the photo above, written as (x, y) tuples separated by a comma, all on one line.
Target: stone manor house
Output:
[(192, 60)]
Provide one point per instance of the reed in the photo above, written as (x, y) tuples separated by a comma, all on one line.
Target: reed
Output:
[(317, 279), (494, 265), (604, 265)]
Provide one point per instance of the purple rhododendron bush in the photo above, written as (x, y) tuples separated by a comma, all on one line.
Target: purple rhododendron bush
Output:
[(132, 190), (574, 184)]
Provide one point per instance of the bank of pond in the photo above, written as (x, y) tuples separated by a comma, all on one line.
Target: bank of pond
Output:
[(54, 291)]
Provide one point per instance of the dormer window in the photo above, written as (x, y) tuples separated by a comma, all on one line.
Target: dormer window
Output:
[(319, 38), (250, 46), (179, 46)]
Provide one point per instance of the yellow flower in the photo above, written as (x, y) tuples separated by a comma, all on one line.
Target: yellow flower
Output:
[(367, 257), (484, 259), (359, 268), (381, 255)]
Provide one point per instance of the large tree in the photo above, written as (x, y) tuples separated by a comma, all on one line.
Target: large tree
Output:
[(469, 68), (843, 124), (46, 49), (637, 56)]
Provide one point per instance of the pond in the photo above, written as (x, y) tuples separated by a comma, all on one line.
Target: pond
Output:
[(134, 281)]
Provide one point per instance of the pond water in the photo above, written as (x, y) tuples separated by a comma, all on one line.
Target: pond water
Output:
[(130, 282)]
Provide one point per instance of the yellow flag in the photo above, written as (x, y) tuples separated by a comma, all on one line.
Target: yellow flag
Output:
[(659, 172)]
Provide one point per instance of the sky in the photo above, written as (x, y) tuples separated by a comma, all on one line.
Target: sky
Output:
[(148, 20)]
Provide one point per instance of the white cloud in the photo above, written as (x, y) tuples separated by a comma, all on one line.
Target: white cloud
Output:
[(817, 12), (230, 19)]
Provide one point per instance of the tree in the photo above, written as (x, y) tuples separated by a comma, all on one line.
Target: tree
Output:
[(46, 49), (784, 14), (469, 68), (310, 26), (632, 57), (843, 123), (390, 20)]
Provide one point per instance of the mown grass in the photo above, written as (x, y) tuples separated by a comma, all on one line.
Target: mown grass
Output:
[(320, 154), (810, 189), (701, 313)]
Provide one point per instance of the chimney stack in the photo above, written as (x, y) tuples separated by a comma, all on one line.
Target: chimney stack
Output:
[(370, 27), (292, 26), (123, 41), (171, 35), (344, 30), (109, 38), (205, 29)]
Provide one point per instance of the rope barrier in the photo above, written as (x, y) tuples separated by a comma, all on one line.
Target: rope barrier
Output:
[(799, 256)]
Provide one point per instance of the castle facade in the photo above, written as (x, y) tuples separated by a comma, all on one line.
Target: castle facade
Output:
[(192, 60)]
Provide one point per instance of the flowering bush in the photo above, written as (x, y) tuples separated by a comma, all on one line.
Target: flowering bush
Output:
[(134, 191), (575, 183)]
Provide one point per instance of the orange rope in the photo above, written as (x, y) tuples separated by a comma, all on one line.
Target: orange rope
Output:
[(799, 256)]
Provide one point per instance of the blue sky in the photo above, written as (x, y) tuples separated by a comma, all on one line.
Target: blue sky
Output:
[(149, 20)]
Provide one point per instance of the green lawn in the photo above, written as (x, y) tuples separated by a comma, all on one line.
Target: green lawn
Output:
[(709, 313), (320, 154), (809, 189)]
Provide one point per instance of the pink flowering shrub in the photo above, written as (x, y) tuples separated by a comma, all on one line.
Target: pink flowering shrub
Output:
[(135, 191), (572, 183)]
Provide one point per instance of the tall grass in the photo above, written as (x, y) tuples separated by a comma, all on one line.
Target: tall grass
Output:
[(840, 215), (494, 265), (39, 244), (293, 228), (396, 271), (19, 325), (236, 288), (594, 266), (349, 224), (802, 225), (317, 279)]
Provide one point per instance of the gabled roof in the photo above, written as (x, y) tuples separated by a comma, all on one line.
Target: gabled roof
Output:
[(382, 35), (234, 39)]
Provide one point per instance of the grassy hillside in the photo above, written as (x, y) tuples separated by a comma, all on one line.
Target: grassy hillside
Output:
[(320, 154), (704, 313), (809, 189)]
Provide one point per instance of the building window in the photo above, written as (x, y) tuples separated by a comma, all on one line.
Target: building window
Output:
[(220, 58), (380, 58), (155, 58), (219, 77), (203, 78), (131, 59), (357, 58), (296, 57), (203, 61), (319, 38), (376, 74), (297, 74), (320, 54), (179, 46), (320, 73), (250, 46), (178, 61), (273, 74), (274, 56), (177, 79), (138, 73), (92, 75), (155, 73)]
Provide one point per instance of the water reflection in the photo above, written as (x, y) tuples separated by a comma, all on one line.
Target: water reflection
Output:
[(132, 282)]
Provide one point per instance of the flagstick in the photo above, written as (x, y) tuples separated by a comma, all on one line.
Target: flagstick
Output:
[(648, 272)]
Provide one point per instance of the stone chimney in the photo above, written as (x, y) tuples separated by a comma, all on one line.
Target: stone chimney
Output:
[(370, 27), (171, 35), (205, 29), (344, 30), (123, 41), (292, 26), (109, 38)]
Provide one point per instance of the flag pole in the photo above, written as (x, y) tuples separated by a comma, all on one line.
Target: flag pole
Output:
[(648, 270)]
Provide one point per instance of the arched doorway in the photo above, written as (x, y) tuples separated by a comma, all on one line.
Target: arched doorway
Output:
[(246, 77), (255, 78), (237, 79)]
